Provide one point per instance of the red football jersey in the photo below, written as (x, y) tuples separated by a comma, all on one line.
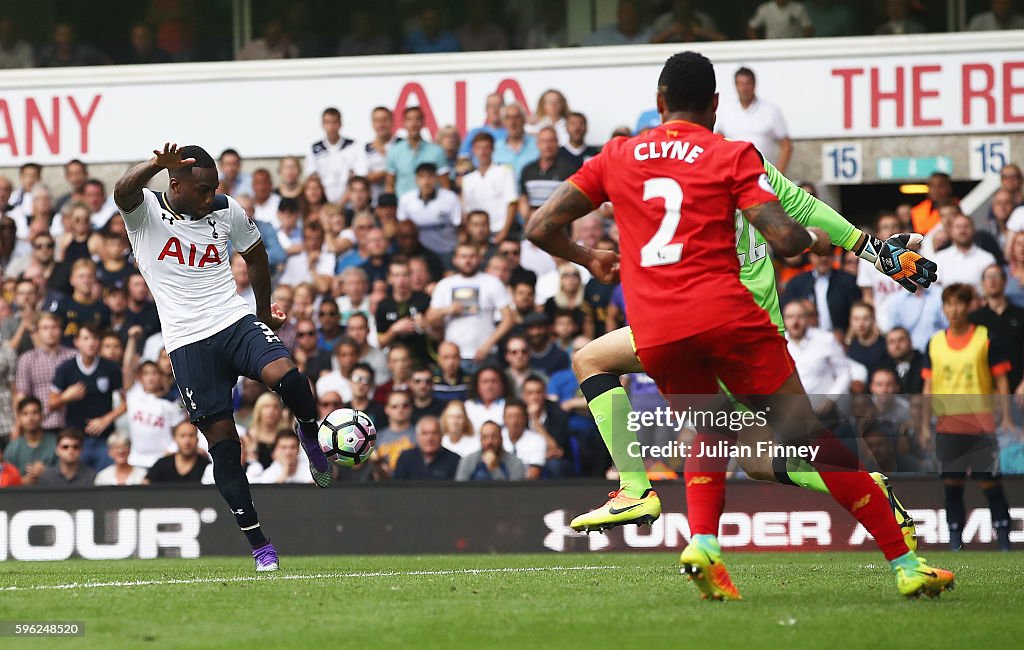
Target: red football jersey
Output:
[(676, 190)]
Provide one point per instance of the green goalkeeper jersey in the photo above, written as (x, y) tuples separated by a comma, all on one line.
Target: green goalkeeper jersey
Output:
[(756, 269)]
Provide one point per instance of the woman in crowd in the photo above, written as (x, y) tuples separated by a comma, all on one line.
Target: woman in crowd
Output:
[(312, 199), (457, 430), (552, 110), (1015, 271), (864, 343), (268, 418), (570, 297), (120, 473), (303, 301), (289, 170), (488, 389)]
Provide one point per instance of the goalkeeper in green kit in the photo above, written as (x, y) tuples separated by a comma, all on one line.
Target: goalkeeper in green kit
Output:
[(613, 354)]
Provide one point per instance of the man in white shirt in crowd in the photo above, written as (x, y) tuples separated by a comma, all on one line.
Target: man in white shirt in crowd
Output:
[(490, 188), (467, 305), (265, 201), (151, 418), (335, 158), (962, 262), (823, 367), (755, 120), (436, 211), (346, 354), (287, 462), (780, 19), (527, 445), (314, 263), (376, 150)]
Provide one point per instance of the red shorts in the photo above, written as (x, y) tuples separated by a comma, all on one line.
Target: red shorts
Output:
[(749, 356)]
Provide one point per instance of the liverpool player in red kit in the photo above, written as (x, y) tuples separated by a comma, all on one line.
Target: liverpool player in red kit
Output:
[(676, 190)]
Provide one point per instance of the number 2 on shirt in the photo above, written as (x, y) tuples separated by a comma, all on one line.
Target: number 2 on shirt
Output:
[(659, 251)]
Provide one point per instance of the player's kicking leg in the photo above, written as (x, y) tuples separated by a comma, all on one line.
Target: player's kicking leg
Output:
[(285, 379), (598, 366)]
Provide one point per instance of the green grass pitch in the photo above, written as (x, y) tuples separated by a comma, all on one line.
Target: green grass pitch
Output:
[(600, 600)]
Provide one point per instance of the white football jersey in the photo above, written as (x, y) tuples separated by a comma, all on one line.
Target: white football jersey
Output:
[(187, 267)]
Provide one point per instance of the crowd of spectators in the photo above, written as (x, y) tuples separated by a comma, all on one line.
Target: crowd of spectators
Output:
[(413, 297), (162, 35)]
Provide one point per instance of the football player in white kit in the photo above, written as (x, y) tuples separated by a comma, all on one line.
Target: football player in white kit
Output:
[(180, 238)]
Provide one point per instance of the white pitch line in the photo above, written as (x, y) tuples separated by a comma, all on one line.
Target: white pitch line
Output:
[(310, 576)]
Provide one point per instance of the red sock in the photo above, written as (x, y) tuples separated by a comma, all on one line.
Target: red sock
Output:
[(705, 486), (854, 489)]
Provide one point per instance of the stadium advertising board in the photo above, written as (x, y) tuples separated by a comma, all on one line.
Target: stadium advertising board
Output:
[(119, 523), (272, 108)]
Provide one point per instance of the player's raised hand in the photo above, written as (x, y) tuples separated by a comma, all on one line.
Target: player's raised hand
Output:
[(896, 258), (276, 318), (604, 265), (169, 158)]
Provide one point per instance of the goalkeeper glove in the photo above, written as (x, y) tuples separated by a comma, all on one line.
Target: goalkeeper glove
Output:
[(894, 258)]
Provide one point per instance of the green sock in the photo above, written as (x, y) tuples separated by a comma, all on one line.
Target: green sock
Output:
[(908, 561), (804, 475), (610, 405)]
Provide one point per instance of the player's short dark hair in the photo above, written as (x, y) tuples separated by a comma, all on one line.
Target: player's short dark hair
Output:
[(29, 401), (483, 136), (333, 112), (362, 365), (230, 152), (203, 159), (745, 72), (958, 292), (687, 82)]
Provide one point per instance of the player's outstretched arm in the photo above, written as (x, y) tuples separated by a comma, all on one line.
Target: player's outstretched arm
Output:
[(258, 265), (128, 188), (785, 235), (548, 229)]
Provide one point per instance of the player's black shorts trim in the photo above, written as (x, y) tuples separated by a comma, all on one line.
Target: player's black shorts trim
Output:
[(206, 371), (958, 453)]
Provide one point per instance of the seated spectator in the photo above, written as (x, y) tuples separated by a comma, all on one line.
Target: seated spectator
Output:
[(905, 361), (14, 52), (684, 24), (17, 330), (899, 21), (9, 476), (142, 47), (627, 30), (346, 354), (429, 460), (512, 250), (1004, 320), (517, 148), (435, 210), (517, 360), (833, 292), (919, 313), (232, 179), (491, 462), (289, 174), (498, 267), (359, 330), (331, 329), (400, 316), (940, 237), (121, 472), (780, 19), (69, 471), (476, 231), (424, 402), (407, 245), (864, 342), (268, 418), (480, 31), (74, 243), (377, 258), (400, 370), (286, 466), (490, 188), (571, 298), (314, 262), (75, 174), (82, 307), (1000, 16), (363, 38), (1015, 272), (34, 449), (313, 197), (186, 465), (566, 332), (529, 446), (488, 389), (311, 360), (883, 446), (94, 193), (449, 379), (357, 252), (457, 430), (823, 367), (363, 382), (36, 368), (275, 44), (889, 406), (576, 151), (398, 435), (550, 30), (151, 418), (832, 18), (431, 37), (964, 261), (113, 270), (998, 217), (546, 358), (547, 419), (64, 50), (523, 303)]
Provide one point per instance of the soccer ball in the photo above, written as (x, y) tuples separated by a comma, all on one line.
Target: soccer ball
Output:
[(347, 437)]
